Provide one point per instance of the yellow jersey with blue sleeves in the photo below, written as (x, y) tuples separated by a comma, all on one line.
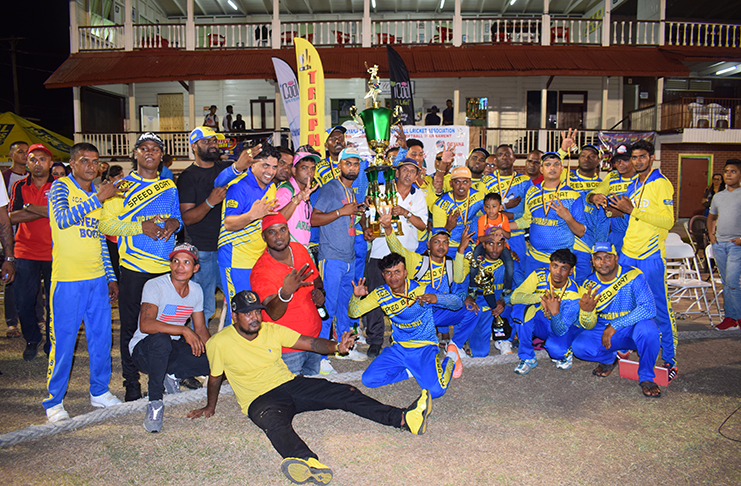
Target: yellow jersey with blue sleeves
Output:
[(622, 302), (468, 210), (511, 186), (79, 251), (536, 285), (412, 325), (548, 231), (241, 248), (143, 199), (652, 216)]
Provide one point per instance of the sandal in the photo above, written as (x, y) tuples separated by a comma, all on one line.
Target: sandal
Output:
[(603, 370), (13, 332), (650, 389)]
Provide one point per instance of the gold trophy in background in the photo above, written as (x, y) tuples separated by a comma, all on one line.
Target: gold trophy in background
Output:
[(377, 122)]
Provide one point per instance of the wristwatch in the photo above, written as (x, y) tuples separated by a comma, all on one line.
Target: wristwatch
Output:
[(10, 259), (25, 206)]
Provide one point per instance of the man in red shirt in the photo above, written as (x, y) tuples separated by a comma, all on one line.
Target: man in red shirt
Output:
[(29, 210), (290, 287)]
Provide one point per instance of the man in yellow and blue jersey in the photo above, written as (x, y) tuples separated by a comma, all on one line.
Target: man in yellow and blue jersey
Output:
[(549, 298), (616, 312), (408, 305), (458, 208), (82, 281), (554, 212), (610, 190), (649, 200), (248, 199), (146, 216), (476, 163)]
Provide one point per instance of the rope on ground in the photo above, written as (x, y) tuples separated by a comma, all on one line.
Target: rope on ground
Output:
[(39, 431)]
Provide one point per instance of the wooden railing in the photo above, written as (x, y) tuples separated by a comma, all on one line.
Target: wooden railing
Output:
[(576, 31), (159, 36), (322, 33), (501, 31), (419, 31), (701, 113), (233, 36), (702, 34), (635, 33), (525, 140), (101, 38)]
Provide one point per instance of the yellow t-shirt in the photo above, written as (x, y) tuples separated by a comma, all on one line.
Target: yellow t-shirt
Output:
[(252, 367)]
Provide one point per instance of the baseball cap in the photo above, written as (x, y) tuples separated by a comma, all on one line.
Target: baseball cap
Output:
[(338, 127), (185, 248), (592, 147), (434, 107), (272, 219), (550, 155), (246, 301), (349, 153), (480, 149), (199, 133), (604, 247), (460, 173), (305, 155), (408, 161), (149, 137), (439, 231), (308, 148), (40, 146), (621, 152)]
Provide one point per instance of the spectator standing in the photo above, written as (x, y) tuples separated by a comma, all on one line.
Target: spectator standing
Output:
[(7, 274), (432, 117), (29, 210), (448, 113), (212, 120), (17, 155), (146, 217), (58, 170), (229, 118), (714, 188)]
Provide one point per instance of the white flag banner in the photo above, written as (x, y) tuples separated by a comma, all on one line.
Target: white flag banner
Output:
[(289, 92)]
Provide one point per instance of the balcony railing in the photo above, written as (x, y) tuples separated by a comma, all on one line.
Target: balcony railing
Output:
[(404, 31), (696, 112), (525, 140)]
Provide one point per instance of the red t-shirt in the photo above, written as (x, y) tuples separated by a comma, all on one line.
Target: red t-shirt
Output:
[(33, 239), (267, 277)]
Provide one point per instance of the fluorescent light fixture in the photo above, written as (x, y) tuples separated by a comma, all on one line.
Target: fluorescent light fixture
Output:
[(373, 3), (231, 4), (512, 2), (726, 70), (442, 4)]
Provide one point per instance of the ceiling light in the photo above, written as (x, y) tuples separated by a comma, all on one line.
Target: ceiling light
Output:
[(726, 70), (512, 2), (231, 4), (373, 3), (442, 4)]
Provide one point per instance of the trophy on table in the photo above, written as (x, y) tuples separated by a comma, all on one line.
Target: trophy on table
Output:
[(376, 123)]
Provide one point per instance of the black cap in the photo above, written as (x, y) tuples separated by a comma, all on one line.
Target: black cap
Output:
[(338, 127), (246, 301)]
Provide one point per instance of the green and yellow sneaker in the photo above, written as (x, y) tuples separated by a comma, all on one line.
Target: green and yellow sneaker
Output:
[(416, 415), (303, 471)]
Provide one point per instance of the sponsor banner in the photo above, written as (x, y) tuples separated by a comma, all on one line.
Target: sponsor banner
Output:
[(311, 89), (401, 86), (610, 140), (289, 92)]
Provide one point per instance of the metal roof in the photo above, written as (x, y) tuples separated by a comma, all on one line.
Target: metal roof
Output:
[(151, 65)]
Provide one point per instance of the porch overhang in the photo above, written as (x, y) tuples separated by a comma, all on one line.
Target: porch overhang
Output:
[(152, 65)]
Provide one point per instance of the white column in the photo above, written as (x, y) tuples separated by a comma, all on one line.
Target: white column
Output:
[(662, 19), (190, 29), (659, 101), (605, 86), (74, 35), (276, 24), (543, 133), (192, 104), (459, 117), (367, 24), (545, 27), (606, 23), (77, 112), (457, 25), (128, 27), (131, 126)]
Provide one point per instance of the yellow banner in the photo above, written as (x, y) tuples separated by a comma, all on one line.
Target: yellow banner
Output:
[(311, 87)]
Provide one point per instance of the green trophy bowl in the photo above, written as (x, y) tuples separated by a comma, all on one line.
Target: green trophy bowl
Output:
[(377, 124)]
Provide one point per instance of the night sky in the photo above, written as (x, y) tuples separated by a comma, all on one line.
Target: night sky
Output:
[(45, 29)]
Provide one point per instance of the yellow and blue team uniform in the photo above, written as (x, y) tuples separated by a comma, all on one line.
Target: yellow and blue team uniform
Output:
[(240, 249), (615, 185), (450, 277), (510, 187), (530, 320), (627, 304), (468, 210), (597, 222), (479, 335), (643, 248), (81, 272), (415, 346), (549, 232)]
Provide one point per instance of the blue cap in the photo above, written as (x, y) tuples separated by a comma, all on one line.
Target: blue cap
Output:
[(604, 247), (551, 155), (350, 153), (338, 127), (439, 230), (592, 147), (407, 161), (199, 133)]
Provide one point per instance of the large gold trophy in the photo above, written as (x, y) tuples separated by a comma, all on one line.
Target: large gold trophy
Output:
[(377, 123)]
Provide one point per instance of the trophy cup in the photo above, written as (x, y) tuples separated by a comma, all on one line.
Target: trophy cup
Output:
[(376, 123)]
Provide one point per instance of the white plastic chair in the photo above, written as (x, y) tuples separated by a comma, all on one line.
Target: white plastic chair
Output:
[(698, 112), (713, 268), (717, 113), (692, 287)]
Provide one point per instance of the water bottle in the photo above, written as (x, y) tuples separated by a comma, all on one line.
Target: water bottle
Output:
[(682, 274)]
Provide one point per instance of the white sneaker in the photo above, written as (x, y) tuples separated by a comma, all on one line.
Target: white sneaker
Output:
[(354, 355), (105, 400), (504, 347), (361, 339), (57, 413), (325, 367)]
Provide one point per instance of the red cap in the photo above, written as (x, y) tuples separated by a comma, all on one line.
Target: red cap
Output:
[(272, 219), (40, 146)]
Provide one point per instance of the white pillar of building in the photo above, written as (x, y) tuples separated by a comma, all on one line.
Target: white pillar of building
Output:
[(131, 125), (545, 27), (367, 24), (276, 25), (659, 101), (74, 36), (607, 23), (457, 25), (128, 27), (543, 133), (77, 112), (190, 28), (605, 89), (192, 104), (662, 21), (459, 117)]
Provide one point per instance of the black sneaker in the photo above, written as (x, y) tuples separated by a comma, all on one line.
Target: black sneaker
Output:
[(29, 354), (374, 350), (191, 383), (133, 391)]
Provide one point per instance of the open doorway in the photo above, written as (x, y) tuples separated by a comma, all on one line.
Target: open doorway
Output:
[(263, 114), (572, 109)]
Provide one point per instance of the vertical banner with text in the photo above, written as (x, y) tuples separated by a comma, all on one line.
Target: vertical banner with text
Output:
[(401, 86), (311, 88), (289, 91)]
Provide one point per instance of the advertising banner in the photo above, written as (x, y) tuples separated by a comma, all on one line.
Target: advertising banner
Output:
[(289, 91), (401, 86), (311, 89)]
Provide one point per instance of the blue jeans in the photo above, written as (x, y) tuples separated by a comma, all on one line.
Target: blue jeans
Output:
[(302, 362), (728, 259), (337, 277), (208, 278), (28, 275)]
